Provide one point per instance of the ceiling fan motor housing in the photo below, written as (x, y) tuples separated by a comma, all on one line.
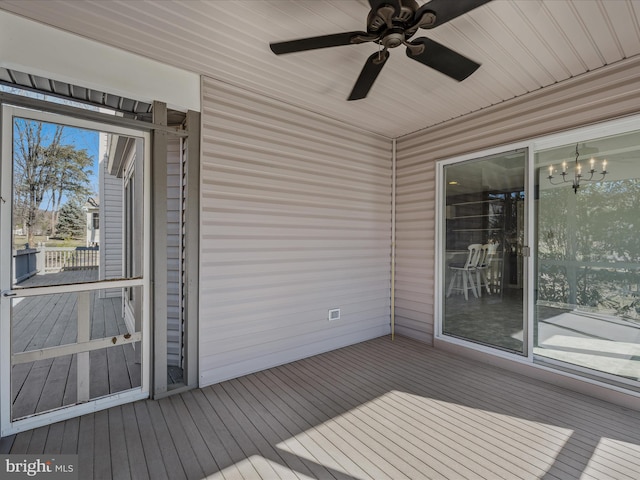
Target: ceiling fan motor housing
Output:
[(386, 15), (394, 37)]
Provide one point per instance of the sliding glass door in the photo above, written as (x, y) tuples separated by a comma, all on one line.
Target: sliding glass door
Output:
[(587, 305), (574, 302), (483, 272)]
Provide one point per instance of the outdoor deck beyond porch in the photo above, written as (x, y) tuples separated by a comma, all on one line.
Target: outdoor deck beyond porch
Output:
[(44, 321), (379, 409)]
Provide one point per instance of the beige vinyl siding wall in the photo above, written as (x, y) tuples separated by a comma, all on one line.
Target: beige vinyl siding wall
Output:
[(603, 94), (295, 220), (174, 247)]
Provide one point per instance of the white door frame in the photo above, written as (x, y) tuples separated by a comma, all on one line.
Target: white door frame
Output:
[(439, 265), (7, 426)]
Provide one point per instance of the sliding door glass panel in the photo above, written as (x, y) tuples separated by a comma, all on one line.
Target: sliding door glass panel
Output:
[(483, 268), (587, 304)]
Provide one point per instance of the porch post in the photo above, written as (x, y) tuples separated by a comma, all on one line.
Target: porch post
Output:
[(192, 249), (40, 258), (159, 253)]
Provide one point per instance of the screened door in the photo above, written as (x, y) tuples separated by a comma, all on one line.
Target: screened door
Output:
[(67, 344)]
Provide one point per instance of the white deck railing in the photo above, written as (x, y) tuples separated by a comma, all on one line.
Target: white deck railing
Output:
[(57, 259)]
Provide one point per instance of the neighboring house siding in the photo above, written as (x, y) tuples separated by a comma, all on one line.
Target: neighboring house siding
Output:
[(597, 96), (295, 220), (174, 246), (110, 226)]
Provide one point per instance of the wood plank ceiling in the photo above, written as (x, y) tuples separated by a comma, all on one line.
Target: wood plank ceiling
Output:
[(523, 46)]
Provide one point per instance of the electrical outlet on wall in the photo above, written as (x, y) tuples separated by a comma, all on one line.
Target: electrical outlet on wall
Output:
[(334, 314)]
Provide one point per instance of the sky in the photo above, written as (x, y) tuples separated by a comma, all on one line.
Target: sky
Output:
[(77, 137), (80, 139)]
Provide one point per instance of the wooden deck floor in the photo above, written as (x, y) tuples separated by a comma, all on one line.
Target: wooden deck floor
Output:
[(51, 320), (379, 409)]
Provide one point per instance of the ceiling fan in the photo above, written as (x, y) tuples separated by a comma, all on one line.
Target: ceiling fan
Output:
[(392, 23)]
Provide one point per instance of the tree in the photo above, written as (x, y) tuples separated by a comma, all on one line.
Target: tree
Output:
[(71, 221), (45, 168), (70, 177)]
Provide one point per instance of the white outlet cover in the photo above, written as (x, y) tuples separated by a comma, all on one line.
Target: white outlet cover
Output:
[(334, 314)]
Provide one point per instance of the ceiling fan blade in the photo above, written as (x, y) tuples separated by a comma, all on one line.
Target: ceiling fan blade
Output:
[(323, 41), (441, 58), (368, 75), (446, 10)]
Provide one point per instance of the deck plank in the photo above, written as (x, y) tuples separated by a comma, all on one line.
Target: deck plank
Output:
[(70, 436), (52, 395), (21, 442), (6, 443), (38, 440), (220, 442), (118, 446), (279, 404), (197, 443), (363, 441), (60, 314), (338, 437), (102, 462), (247, 437), (258, 433), (186, 453), (309, 421), (28, 398), (152, 452), (379, 409), (99, 373), (291, 447), (86, 451), (54, 438), (168, 450), (59, 308), (135, 450), (71, 389)]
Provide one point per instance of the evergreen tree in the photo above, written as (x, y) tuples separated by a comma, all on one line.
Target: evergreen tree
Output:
[(71, 221), (45, 168)]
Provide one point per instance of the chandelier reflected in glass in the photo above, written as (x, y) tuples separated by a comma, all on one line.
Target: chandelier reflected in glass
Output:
[(578, 176)]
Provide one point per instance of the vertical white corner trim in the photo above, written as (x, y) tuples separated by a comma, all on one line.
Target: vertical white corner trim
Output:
[(393, 238)]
